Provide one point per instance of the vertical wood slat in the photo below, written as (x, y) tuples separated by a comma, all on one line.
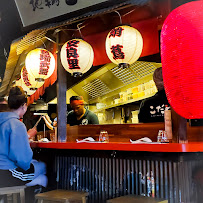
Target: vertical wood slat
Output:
[(87, 175), (137, 178), (117, 177), (144, 173), (121, 176), (166, 179), (171, 183), (114, 181), (102, 180), (107, 178), (110, 178), (176, 182), (140, 177), (157, 179), (128, 177), (133, 172), (161, 180)]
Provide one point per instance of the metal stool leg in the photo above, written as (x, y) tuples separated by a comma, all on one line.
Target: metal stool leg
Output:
[(84, 199), (3, 199), (15, 197), (22, 195)]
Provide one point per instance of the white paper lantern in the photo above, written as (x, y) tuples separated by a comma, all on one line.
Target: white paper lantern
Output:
[(25, 88), (30, 81), (124, 45), (40, 64), (77, 57)]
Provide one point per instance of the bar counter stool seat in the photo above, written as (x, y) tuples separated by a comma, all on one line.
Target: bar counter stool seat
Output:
[(136, 199), (66, 196), (14, 190)]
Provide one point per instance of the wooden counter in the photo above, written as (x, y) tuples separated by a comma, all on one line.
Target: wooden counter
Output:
[(154, 147), (122, 133), (108, 170)]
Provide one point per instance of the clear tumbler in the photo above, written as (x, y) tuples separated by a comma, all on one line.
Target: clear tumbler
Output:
[(103, 136)]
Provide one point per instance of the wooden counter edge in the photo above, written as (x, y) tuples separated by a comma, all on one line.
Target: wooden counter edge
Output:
[(117, 146)]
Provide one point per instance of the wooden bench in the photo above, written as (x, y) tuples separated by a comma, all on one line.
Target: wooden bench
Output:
[(137, 199), (14, 190), (65, 196)]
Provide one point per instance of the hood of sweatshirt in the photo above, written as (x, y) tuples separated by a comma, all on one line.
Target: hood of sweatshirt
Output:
[(4, 116)]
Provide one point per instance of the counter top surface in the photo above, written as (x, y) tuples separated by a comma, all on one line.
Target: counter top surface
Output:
[(151, 147)]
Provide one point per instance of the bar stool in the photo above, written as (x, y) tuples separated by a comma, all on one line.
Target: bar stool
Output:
[(14, 190), (65, 196), (137, 199)]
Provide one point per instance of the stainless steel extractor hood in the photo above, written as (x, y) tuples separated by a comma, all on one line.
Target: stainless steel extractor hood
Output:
[(109, 80)]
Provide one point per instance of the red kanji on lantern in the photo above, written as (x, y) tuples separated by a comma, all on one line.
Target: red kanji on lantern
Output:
[(116, 32), (44, 62), (77, 56), (25, 77), (117, 52), (124, 45), (72, 52), (72, 55), (72, 43), (73, 64)]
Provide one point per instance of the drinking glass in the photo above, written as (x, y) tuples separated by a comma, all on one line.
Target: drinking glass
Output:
[(53, 137), (160, 135), (103, 136), (39, 137)]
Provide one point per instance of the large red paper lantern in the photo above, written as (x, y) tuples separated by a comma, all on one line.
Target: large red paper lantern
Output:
[(182, 59), (77, 56), (124, 45)]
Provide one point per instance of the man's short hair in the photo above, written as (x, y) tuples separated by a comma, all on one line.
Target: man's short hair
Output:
[(76, 98)]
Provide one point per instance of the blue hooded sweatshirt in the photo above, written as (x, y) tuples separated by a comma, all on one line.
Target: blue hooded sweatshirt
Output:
[(15, 149)]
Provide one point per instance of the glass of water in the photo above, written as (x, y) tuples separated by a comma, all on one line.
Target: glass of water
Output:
[(103, 136)]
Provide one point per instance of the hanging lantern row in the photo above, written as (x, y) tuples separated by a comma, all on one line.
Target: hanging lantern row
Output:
[(77, 57), (124, 45)]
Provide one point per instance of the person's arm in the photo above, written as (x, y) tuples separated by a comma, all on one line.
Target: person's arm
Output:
[(32, 132), (55, 122), (20, 152)]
